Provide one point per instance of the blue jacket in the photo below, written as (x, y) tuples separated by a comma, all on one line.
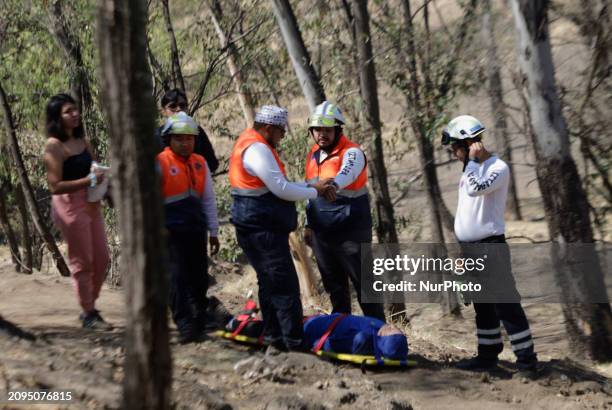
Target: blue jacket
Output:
[(355, 335)]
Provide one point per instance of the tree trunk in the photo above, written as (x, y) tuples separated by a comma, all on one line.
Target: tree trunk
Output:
[(42, 229), (385, 229), (426, 152), (26, 238), (38, 252), (589, 326), (416, 101), (303, 267), (440, 215), (498, 107), (233, 64), (126, 89), (5, 222), (177, 75), (306, 74)]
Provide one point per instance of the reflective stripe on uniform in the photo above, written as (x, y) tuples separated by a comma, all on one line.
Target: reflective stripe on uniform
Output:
[(520, 335), (181, 196), (488, 331), (249, 192), (495, 341), (523, 345)]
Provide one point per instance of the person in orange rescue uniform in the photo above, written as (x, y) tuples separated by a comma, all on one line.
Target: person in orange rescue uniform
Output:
[(190, 211), (340, 231)]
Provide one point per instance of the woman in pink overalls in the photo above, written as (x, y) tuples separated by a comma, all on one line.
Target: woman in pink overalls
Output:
[(68, 160)]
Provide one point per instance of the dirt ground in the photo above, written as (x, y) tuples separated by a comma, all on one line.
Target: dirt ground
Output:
[(219, 374)]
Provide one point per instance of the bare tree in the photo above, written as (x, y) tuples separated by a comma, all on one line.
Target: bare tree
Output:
[(233, 62), (498, 107), (566, 207), (126, 89), (306, 74), (588, 110), (177, 74), (79, 79), (425, 95), (39, 223), (385, 229)]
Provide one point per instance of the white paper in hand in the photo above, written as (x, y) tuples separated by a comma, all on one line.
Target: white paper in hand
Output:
[(96, 193)]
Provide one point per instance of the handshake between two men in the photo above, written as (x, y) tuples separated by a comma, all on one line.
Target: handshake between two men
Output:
[(326, 188)]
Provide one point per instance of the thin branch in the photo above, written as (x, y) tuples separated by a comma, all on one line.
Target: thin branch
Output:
[(176, 64)]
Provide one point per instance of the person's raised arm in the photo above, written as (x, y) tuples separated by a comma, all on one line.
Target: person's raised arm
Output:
[(495, 177)]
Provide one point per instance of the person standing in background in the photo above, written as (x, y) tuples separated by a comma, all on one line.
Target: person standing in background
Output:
[(173, 102), (68, 161)]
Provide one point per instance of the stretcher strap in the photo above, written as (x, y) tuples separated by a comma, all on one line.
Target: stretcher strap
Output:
[(241, 326), (330, 329)]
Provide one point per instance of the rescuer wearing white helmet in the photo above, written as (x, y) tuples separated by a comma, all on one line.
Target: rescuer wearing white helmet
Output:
[(479, 220), (336, 230)]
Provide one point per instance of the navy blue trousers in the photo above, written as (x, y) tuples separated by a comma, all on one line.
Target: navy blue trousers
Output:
[(188, 280), (279, 288), (339, 256), (488, 331), (511, 315)]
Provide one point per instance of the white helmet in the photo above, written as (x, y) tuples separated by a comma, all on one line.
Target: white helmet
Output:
[(326, 114), (461, 128)]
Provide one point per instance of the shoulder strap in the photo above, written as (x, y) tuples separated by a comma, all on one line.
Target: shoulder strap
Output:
[(241, 326)]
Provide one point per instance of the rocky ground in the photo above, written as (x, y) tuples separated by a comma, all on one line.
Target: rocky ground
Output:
[(219, 374)]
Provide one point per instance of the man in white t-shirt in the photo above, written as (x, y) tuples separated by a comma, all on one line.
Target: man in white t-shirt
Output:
[(479, 226)]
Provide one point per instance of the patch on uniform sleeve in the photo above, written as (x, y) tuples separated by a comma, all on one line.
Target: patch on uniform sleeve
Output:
[(173, 170), (198, 166)]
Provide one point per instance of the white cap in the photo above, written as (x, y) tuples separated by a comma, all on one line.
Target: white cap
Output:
[(272, 115)]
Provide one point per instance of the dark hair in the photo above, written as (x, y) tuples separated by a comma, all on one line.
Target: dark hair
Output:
[(172, 96), (54, 118), (337, 131), (258, 125)]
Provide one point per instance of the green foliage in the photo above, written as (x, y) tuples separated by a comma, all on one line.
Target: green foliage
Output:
[(35, 67)]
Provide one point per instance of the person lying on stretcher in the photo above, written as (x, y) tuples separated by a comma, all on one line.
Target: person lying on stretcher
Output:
[(362, 335), (338, 333)]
